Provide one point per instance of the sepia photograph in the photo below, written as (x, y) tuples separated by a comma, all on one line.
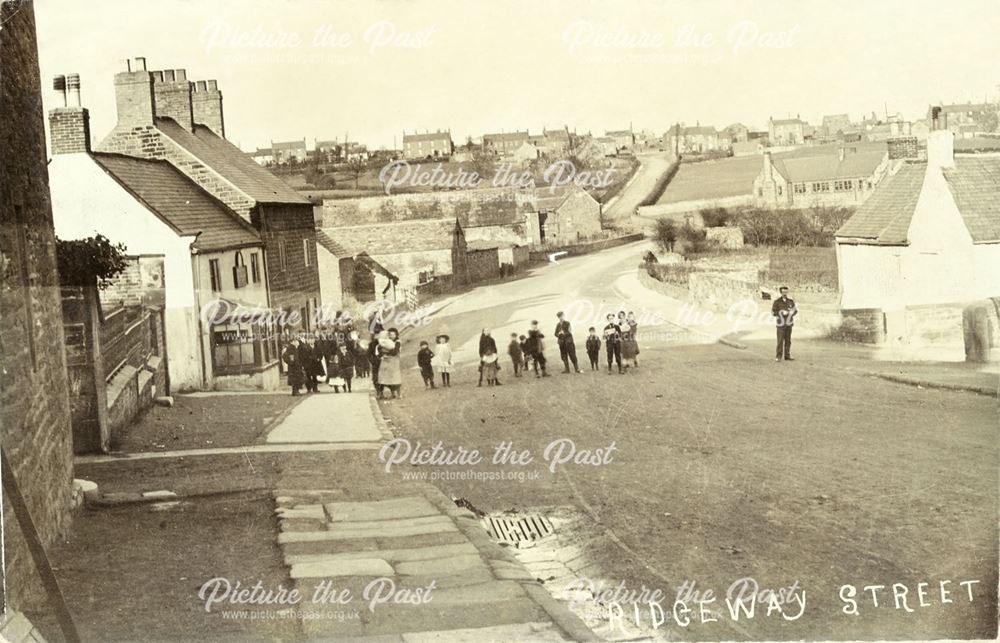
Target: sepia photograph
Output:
[(411, 321)]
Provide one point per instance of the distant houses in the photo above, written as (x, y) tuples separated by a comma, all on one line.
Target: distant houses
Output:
[(429, 145), (693, 140), (842, 179), (623, 139), (786, 131), (504, 144), (966, 120), (284, 152)]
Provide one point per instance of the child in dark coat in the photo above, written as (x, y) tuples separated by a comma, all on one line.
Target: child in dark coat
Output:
[(594, 349), (345, 366), (424, 360), (516, 354)]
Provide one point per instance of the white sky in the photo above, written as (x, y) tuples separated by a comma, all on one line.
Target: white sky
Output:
[(502, 65)]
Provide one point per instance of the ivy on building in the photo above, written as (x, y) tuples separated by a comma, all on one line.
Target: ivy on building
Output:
[(82, 262)]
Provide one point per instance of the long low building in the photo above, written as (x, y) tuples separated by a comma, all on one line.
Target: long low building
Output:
[(843, 179)]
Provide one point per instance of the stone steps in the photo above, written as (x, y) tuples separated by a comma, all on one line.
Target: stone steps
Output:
[(410, 543)]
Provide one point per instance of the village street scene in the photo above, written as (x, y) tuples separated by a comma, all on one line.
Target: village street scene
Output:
[(451, 321)]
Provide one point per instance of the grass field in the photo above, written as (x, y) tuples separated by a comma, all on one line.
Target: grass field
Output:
[(734, 176)]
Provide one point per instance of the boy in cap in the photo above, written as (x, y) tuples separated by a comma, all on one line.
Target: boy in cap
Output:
[(516, 354), (594, 349)]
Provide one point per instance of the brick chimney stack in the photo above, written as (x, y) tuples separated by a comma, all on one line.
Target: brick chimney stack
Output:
[(69, 123), (172, 94), (134, 95), (206, 103)]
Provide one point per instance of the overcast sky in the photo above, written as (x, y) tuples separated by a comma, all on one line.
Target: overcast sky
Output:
[(385, 66)]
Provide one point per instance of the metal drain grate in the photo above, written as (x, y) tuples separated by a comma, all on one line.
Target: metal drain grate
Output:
[(512, 529)]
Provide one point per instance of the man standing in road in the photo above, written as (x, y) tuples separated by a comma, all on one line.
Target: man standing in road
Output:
[(567, 347), (784, 312)]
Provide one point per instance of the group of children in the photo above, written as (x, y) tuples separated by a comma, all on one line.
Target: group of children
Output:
[(619, 338)]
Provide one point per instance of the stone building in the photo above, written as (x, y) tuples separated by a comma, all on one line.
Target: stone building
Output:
[(209, 252), (701, 138), (429, 145), (566, 214), (350, 278), (926, 243), (504, 144), (284, 152), (158, 118), (786, 131), (845, 178), (418, 251), (35, 428)]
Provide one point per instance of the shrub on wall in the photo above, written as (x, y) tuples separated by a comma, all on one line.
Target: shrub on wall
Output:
[(82, 262)]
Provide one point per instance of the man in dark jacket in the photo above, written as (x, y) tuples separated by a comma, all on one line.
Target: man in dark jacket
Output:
[(486, 345), (567, 347), (784, 312), (310, 364), (613, 342), (293, 367)]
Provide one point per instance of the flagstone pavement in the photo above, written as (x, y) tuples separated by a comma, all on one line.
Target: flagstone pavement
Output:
[(418, 567)]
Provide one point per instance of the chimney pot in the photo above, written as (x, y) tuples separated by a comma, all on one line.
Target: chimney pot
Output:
[(180, 75), (213, 86), (157, 76), (200, 86), (138, 64), (59, 87), (73, 90)]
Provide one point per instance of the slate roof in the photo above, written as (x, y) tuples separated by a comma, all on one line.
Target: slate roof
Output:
[(341, 251), (395, 238), (234, 165), (788, 121), (884, 218), (506, 136), (334, 246), (288, 145), (829, 167), (179, 201), (430, 136), (978, 143), (975, 186), (548, 199), (960, 107)]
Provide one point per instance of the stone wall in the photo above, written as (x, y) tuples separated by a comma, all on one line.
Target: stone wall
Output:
[(294, 284), (588, 247), (483, 265), (862, 325), (34, 410), (718, 291)]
